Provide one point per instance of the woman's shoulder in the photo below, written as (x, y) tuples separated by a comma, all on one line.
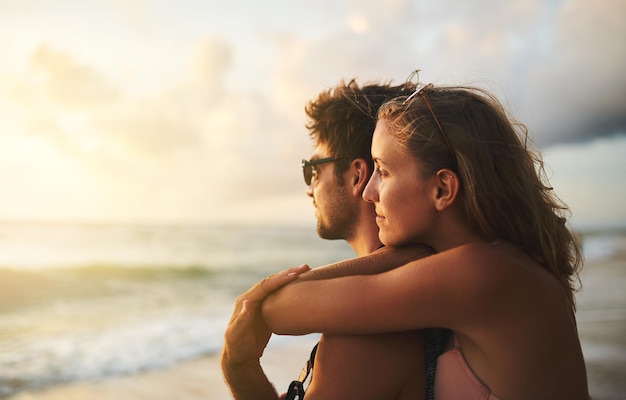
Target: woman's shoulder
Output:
[(497, 257), (480, 257), (492, 269)]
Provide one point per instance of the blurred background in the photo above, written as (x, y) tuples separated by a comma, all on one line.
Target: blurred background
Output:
[(150, 150), (192, 111)]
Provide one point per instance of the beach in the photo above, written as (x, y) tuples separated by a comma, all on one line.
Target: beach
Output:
[(193, 380), (601, 315)]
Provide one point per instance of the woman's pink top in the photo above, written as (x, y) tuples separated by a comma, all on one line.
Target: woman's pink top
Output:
[(454, 380)]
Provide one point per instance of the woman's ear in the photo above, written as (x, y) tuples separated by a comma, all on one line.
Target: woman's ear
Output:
[(360, 174), (448, 186)]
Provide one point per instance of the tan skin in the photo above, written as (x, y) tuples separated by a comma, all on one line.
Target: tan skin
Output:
[(510, 316), (391, 364), (388, 365)]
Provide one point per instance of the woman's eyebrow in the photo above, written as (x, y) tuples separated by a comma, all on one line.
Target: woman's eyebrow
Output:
[(378, 160)]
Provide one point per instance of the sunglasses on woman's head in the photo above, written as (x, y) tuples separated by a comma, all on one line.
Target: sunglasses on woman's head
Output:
[(420, 90), (307, 167)]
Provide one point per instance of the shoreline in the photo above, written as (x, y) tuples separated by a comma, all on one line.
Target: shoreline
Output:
[(601, 316)]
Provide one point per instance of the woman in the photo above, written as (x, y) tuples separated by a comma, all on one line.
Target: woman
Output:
[(454, 172)]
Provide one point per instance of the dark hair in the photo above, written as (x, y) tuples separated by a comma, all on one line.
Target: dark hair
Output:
[(504, 189), (344, 118)]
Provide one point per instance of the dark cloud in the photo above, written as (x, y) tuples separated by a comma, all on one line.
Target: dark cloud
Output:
[(557, 65), (575, 86)]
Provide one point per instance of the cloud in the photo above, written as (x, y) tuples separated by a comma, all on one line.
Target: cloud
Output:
[(557, 65), (214, 117), (67, 102), (68, 82), (577, 89), (196, 138), (211, 61)]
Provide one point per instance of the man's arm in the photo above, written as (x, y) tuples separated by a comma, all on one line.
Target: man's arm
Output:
[(240, 358), (246, 337)]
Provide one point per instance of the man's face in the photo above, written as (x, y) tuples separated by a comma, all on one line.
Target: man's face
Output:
[(335, 207)]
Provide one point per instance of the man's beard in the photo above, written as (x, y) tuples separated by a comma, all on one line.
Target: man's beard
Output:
[(339, 221)]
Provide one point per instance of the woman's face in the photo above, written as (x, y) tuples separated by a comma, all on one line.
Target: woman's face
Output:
[(404, 201)]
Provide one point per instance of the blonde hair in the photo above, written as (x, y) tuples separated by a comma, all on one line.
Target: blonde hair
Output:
[(504, 189)]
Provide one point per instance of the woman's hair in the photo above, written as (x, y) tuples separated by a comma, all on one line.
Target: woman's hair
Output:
[(504, 189)]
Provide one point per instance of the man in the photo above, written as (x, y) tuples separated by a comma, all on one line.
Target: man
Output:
[(341, 123)]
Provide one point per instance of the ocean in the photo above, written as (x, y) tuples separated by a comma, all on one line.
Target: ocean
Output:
[(83, 302)]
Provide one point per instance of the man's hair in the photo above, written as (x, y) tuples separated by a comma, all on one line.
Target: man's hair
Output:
[(344, 118)]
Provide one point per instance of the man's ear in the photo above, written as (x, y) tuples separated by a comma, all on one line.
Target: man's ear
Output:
[(360, 172), (448, 187)]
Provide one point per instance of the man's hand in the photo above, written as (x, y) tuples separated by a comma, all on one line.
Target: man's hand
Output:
[(246, 337), (247, 334)]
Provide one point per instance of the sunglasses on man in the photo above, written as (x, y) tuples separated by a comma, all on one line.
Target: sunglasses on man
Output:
[(307, 167)]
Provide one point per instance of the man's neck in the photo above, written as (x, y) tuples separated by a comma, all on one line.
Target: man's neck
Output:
[(365, 243), (365, 239)]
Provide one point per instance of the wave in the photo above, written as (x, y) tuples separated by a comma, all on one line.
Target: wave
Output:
[(87, 302), (73, 324), (84, 301)]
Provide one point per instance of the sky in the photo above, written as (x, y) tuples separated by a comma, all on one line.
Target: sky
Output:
[(155, 111)]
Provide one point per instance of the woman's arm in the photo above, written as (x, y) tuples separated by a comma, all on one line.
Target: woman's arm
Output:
[(381, 260), (447, 289)]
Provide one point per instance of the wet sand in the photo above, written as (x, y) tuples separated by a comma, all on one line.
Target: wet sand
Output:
[(601, 316), (602, 325)]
